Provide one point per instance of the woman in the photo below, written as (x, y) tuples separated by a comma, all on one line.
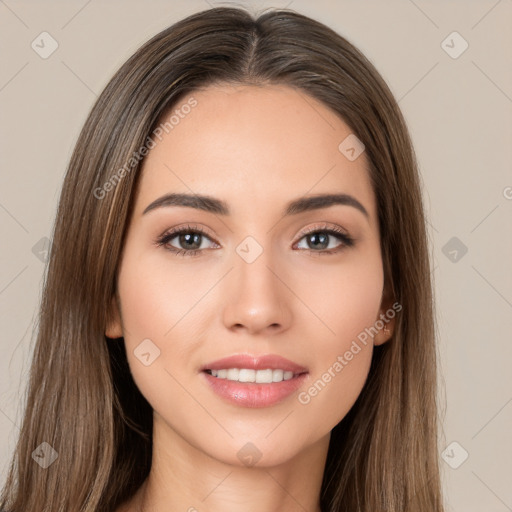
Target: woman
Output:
[(238, 309)]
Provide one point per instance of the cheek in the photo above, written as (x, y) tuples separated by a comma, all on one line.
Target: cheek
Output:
[(159, 322), (331, 392), (341, 366), (347, 302), (342, 296), (158, 299)]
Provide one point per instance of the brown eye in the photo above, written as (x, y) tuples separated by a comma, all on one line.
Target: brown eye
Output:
[(321, 240), (189, 241)]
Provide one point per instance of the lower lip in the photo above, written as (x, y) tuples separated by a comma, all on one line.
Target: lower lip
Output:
[(250, 394)]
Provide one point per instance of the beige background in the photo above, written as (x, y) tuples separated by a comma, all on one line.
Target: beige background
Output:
[(459, 113)]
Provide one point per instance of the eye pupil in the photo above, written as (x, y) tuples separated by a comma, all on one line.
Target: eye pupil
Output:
[(320, 238), (191, 239)]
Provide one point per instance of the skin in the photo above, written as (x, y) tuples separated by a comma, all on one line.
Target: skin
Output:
[(256, 148)]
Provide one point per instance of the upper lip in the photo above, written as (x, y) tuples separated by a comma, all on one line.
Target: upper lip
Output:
[(262, 362)]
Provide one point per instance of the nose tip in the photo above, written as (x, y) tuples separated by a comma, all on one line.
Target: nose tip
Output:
[(256, 324), (256, 300)]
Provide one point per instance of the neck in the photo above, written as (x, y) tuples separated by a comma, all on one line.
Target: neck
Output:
[(185, 478)]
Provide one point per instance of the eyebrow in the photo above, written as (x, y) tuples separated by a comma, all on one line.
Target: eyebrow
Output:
[(217, 206)]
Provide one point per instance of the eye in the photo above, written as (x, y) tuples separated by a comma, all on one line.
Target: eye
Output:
[(318, 240), (189, 240)]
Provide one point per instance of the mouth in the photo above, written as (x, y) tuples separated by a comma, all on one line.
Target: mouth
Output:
[(252, 381)]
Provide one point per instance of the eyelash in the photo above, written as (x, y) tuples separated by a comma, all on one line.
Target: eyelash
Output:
[(163, 240)]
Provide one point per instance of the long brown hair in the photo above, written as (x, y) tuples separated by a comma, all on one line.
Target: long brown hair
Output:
[(81, 398)]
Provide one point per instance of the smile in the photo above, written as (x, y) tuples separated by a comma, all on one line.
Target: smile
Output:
[(249, 375)]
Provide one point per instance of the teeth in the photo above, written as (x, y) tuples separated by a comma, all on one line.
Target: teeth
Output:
[(277, 375), (232, 373), (264, 376), (248, 375)]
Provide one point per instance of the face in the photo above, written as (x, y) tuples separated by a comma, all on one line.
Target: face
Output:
[(245, 275)]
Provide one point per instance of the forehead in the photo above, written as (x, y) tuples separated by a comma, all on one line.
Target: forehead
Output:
[(268, 143)]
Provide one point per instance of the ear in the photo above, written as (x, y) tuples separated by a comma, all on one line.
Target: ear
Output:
[(114, 328), (385, 321), (386, 332)]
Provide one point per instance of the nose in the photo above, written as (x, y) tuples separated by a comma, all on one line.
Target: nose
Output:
[(257, 300)]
